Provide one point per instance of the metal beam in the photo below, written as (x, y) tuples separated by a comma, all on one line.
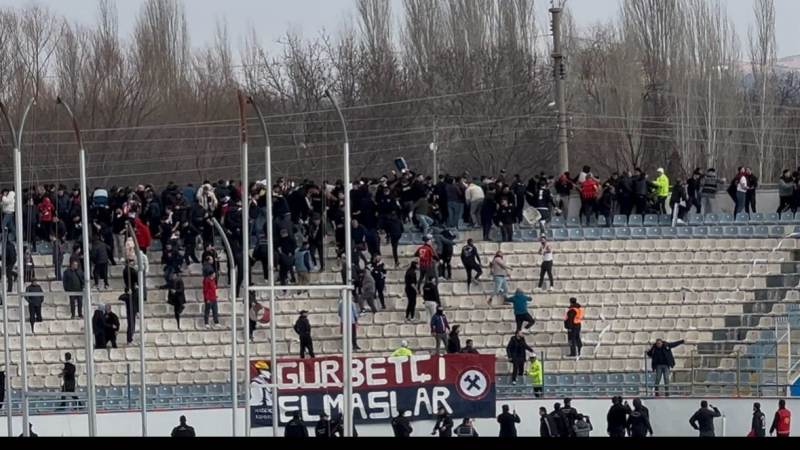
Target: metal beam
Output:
[(234, 355)]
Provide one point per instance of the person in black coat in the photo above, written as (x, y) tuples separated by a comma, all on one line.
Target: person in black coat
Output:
[(296, 428), (453, 340), (662, 361), (176, 296), (34, 303), (73, 285), (570, 416), (303, 329), (559, 422), (639, 420), (99, 329), (401, 426), (378, 271), (444, 424), (703, 419), (183, 430), (758, 426), (11, 260), (111, 322), (516, 352), (547, 426), (617, 417), (508, 421)]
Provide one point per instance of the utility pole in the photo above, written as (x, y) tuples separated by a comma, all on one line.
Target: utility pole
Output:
[(560, 75), (434, 149)]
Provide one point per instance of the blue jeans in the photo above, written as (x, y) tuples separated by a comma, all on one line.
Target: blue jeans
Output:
[(500, 285), (740, 199), (454, 212), (425, 222), (8, 222)]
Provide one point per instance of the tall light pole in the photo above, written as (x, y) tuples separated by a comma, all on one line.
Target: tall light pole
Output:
[(16, 137), (347, 304), (87, 291), (270, 270), (560, 75), (6, 347)]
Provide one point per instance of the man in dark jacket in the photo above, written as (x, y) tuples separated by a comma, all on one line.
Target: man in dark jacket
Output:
[(183, 430), (570, 415), (401, 426), (34, 303), (559, 422), (662, 361), (73, 286), (303, 329), (703, 419), (516, 352), (67, 376), (639, 420), (471, 259), (758, 426), (444, 424), (100, 256), (296, 428), (547, 426), (617, 417), (508, 421), (111, 328)]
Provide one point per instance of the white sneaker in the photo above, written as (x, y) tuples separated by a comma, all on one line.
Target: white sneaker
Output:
[(207, 326), (513, 382)]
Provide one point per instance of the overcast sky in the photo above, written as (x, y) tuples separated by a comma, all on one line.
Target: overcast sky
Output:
[(274, 17)]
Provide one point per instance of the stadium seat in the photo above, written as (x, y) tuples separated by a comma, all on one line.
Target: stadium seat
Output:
[(650, 220), (716, 231), (797, 217), (620, 220), (602, 222), (777, 231), (575, 233), (669, 232), (592, 233), (787, 217), (694, 219), (608, 234), (711, 219), (726, 219), (685, 232), (573, 222), (665, 220), (700, 232), (761, 218), (653, 232), (557, 222), (635, 220), (560, 234), (742, 218), (638, 233), (749, 231), (729, 231)]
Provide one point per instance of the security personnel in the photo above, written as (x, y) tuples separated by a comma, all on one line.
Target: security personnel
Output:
[(537, 375), (572, 322), (403, 350), (662, 190), (782, 423)]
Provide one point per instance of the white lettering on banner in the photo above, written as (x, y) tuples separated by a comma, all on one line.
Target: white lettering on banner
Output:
[(422, 399), (291, 377), (286, 411), (304, 409), (332, 404), (381, 407), (442, 371), (419, 377), (440, 395), (358, 405), (358, 376), (329, 367), (398, 367), (393, 403), (372, 371)]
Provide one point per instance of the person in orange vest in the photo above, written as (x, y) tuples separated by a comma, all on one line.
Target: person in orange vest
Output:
[(572, 322), (782, 423)]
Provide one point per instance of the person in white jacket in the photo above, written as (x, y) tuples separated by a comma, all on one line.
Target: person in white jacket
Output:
[(474, 196), (8, 207)]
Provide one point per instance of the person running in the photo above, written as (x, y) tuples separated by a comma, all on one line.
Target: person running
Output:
[(782, 422), (521, 314), (703, 419), (411, 291), (547, 262), (471, 259), (501, 273)]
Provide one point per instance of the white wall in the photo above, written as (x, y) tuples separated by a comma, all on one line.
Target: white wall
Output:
[(668, 417)]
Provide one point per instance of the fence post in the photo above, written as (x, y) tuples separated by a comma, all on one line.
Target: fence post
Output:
[(644, 372), (738, 373), (130, 400), (691, 374)]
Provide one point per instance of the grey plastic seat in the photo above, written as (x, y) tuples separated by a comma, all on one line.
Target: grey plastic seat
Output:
[(599, 378), (623, 233), (729, 231), (750, 231), (778, 231), (742, 218), (638, 233), (787, 217), (620, 220), (669, 232), (653, 232), (602, 221), (761, 231), (711, 219), (557, 222), (635, 220), (716, 231), (608, 234), (566, 380), (685, 232), (761, 218), (700, 232), (665, 220), (592, 234), (573, 222), (726, 219), (560, 234), (694, 219), (575, 233), (650, 220)]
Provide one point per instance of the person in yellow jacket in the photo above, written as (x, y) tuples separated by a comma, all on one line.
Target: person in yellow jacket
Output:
[(662, 190), (403, 350), (537, 375)]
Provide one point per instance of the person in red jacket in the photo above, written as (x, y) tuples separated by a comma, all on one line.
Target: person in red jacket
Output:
[(782, 423), (143, 236), (210, 298), (46, 212)]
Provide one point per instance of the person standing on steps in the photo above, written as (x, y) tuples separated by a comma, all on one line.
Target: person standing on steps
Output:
[(73, 286), (176, 296), (547, 262), (521, 314), (703, 419), (427, 262), (303, 329), (67, 376), (210, 298), (34, 303), (410, 280), (471, 259), (662, 362), (516, 350), (439, 328), (572, 322), (501, 273), (782, 423), (379, 275), (111, 326)]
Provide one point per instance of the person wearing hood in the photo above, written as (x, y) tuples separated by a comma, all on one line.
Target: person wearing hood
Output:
[(453, 340), (662, 190), (638, 424), (303, 329), (617, 417), (520, 302), (758, 426)]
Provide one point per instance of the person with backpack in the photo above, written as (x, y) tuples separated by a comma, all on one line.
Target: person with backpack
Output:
[(471, 260), (590, 192), (782, 423), (758, 426), (426, 260)]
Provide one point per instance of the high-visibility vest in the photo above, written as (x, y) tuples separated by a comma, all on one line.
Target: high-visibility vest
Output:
[(578, 315), (784, 421)]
